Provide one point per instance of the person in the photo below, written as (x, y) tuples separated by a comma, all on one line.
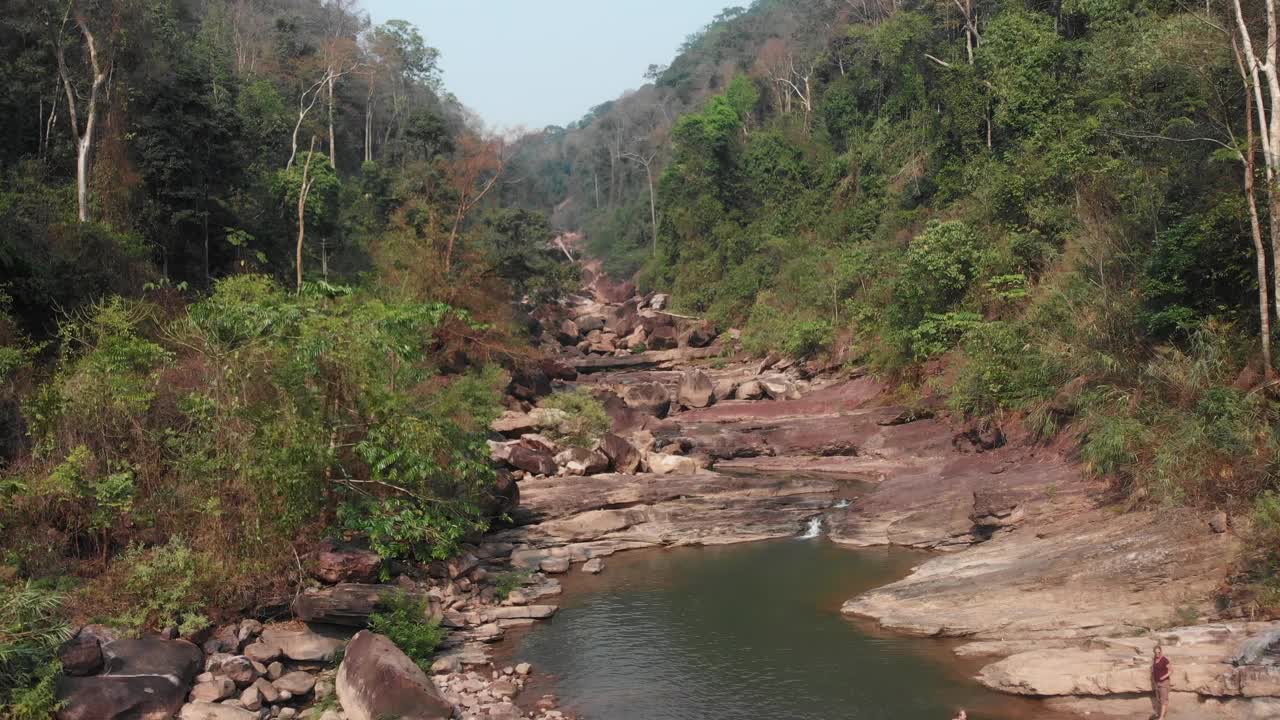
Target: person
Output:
[(962, 715), (1159, 683)]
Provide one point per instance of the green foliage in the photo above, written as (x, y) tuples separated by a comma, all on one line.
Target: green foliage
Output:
[(31, 629), (406, 622), (166, 584), (518, 245), (508, 582), (1004, 368), (585, 419)]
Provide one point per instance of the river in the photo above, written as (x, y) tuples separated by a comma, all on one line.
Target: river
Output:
[(746, 632)]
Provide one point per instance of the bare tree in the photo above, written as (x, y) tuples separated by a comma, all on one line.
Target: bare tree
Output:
[(789, 77), (647, 162), (474, 172), (304, 189), (82, 134)]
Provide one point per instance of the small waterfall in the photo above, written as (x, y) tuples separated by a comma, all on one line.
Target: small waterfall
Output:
[(813, 529), (841, 505)]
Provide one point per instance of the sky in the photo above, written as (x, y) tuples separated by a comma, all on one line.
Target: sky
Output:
[(534, 63)]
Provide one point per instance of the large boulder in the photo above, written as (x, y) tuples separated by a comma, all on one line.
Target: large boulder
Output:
[(81, 655), (211, 711), (664, 464), (651, 398), (376, 680), (700, 335), (611, 292), (504, 496), (662, 338), (568, 332), (696, 389), (340, 563), (589, 323), (621, 320), (304, 645), (532, 461), (347, 604), (623, 456), (750, 390), (145, 679), (579, 461)]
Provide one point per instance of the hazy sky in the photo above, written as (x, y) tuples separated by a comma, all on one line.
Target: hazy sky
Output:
[(546, 62)]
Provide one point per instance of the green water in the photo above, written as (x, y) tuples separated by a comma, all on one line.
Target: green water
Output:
[(746, 632)]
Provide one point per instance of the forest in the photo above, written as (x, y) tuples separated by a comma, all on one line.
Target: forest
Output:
[(264, 279)]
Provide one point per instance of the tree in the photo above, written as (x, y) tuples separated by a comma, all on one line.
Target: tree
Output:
[(99, 68), (647, 162), (473, 173)]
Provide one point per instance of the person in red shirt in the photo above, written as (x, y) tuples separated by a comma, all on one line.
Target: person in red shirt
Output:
[(1159, 683)]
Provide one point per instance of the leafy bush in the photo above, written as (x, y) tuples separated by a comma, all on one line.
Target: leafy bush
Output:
[(808, 338), (585, 418), (31, 629), (1003, 368), (166, 584), (406, 622)]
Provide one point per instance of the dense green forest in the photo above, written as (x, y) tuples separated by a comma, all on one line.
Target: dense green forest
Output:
[(1056, 214), (254, 291)]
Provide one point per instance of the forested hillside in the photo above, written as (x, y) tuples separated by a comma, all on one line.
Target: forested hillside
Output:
[(1055, 214), (254, 291)]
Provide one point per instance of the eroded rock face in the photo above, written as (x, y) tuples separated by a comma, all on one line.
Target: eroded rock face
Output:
[(623, 456), (376, 680)]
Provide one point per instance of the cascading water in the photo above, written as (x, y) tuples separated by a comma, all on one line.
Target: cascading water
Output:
[(813, 529), (841, 505)]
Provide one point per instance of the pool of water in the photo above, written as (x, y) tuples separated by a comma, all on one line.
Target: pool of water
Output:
[(746, 632)]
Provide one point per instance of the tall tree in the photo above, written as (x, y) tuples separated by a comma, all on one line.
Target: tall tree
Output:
[(98, 70)]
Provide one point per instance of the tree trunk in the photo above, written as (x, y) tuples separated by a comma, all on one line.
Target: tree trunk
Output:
[(303, 190), (653, 208), (83, 139), (333, 143)]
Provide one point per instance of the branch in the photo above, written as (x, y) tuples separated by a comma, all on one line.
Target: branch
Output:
[(1152, 136), (943, 63)]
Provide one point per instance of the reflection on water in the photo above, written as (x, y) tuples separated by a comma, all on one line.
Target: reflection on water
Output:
[(742, 633)]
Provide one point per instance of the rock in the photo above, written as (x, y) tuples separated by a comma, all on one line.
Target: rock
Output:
[(446, 665), (532, 461), (240, 669), (662, 338), (527, 612), (81, 655), (209, 711), (148, 678), (523, 669), (750, 390), (623, 456), (635, 339), (214, 690), (268, 692), (225, 639), (251, 698), (697, 336), (593, 566), (981, 436), (305, 645), (578, 461), (725, 389), (1219, 523), (555, 565), (504, 689), (335, 564), (261, 652), (514, 423), (568, 332), (588, 323), (504, 496), (529, 383), (651, 398), (778, 387), (664, 464), (659, 301), (1261, 649), (997, 507), (376, 680), (295, 683), (696, 390), (275, 670), (591, 524)]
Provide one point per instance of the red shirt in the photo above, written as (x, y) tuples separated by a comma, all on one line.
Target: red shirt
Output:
[(1159, 669)]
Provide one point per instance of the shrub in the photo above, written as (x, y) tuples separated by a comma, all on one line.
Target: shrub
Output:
[(406, 622), (31, 629), (585, 418), (166, 584), (1003, 368), (808, 338)]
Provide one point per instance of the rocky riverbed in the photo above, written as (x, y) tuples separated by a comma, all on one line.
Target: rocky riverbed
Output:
[(1060, 594)]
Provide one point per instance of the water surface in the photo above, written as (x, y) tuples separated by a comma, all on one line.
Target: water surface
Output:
[(746, 632)]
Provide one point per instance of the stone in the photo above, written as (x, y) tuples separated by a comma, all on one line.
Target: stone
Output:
[(337, 564), (588, 323), (295, 683), (523, 669), (225, 639), (696, 390), (147, 678), (997, 507), (568, 332), (446, 665), (504, 689), (251, 698), (514, 423), (651, 398), (240, 669), (210, 711), (579, 461), (591, 524), (1219, 522), (266, 690), (555, 565), (663, 464), (348, 604), (376, 680), (531, 461), (750, 390), (218, 688), (594, 566), (725, 389), (527, 612), (261, 652), (622, 455), (778, 387), (659, 301), (275, 670), (304, 645), (81, 655), (662, 338)]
